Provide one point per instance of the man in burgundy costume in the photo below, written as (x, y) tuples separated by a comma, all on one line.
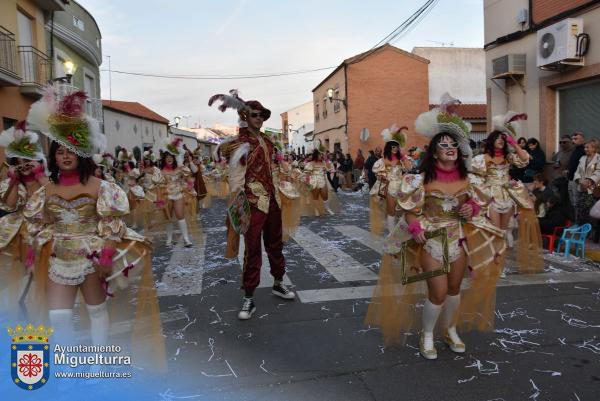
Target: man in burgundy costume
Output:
[(252, 159)]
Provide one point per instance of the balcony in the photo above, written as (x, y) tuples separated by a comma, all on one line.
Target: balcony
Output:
[(9, 69), (35, 70)]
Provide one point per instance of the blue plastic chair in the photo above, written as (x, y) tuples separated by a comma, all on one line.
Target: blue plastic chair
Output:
[(574, 236)]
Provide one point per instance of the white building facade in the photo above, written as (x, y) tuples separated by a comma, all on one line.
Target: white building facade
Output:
[(128, 127), (543, 59), (296, 123), (456, 70)]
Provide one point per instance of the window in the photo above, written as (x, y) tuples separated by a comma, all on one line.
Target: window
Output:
[(317, 116), (135, 128), (78, 23), (325, 107), (336, 103), (117, 124), (8, 122)]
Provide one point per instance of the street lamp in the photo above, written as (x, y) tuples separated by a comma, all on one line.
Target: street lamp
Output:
[(177, 119), (69, 68), (330, 93)]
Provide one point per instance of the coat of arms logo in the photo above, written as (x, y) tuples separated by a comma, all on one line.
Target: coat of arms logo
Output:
[(30, 355)]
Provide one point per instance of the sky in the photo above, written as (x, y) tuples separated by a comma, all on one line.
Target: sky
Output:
[(232, 37)]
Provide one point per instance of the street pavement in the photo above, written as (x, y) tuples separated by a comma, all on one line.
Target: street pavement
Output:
[(546, 344)]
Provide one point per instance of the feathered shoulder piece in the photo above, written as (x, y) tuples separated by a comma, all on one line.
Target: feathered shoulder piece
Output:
[(509, 123), (395, 134), (18, 141), (230, 101), (63, 120), (226, 148)]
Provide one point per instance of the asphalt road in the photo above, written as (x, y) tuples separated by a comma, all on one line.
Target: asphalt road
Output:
[(546, 345)]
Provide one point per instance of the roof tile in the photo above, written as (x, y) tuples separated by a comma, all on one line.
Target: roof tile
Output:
[(135, 109)]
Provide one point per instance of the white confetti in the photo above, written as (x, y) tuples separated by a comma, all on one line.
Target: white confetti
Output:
[(262, 366), (552, 373), (229, 366), (536, 393), (211, 345), (212, 309), (460, 381)]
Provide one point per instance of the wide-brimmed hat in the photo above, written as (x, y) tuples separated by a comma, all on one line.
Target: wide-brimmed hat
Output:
[(18, 141)]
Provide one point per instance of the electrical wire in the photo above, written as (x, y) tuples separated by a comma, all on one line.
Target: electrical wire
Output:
[(403, 29)]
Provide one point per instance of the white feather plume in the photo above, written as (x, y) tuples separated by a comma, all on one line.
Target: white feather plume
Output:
[(426, 123), (240, 152), (97, 158)]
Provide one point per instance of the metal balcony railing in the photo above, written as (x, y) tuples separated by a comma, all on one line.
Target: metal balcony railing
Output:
[(93, 106), (35, 66), (8, 52)]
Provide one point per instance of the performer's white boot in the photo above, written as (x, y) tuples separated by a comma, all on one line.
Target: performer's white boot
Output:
[(184, 233), (510, 240), (169, 228), (391, 223), (61, 320), (431, 312), (451, 337), (99, 323)]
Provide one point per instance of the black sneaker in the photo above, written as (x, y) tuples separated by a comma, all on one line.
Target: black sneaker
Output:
[(247, 310), (282, 291)]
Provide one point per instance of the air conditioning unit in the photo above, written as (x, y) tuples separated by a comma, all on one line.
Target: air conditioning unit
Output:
[(558, 43), (510, 64)]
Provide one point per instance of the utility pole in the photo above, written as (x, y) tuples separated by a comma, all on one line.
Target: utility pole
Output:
[(109, 81)]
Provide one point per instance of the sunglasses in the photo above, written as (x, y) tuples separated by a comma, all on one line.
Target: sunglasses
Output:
[(563, 142), (256, 115), (448, 145)]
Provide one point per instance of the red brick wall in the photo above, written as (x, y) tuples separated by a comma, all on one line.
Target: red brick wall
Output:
[(544, 9), (387, 87)]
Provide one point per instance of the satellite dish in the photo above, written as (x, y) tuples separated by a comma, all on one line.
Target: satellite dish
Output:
[(547, 43), (364, 134)]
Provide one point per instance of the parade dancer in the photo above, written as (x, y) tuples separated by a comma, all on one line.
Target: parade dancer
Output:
[(388, 170), (442, 231), (26, 175), (174, 178), (76, 222), (509, 197), (316, 177), (151, 180), (255, 206), (290, 198)]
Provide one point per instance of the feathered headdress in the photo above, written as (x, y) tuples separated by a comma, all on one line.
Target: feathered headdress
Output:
[(149, 155), (443, 119), (395, 134), (64, 121), (19, 142), (508, 123), (234, 101), (173, 147)]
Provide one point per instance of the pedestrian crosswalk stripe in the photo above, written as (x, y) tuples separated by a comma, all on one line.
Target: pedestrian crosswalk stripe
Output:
[(372, 241), (266, 280), (365, 292), (338, 263), (183, 275)]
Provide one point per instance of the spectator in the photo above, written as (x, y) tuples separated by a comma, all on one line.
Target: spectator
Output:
[(359, 165), (556, 216), (540, 185), (537, 162), (346, 167), (578, 142), (516, 172), (369, 168), (587, 176), (560, 180)]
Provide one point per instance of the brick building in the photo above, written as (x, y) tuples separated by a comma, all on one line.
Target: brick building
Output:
[(370, 91)]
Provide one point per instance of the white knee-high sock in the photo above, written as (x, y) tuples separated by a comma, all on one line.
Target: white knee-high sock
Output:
[(431, 312), (509, 238), (451, 305), (61, 320), (99, 323), (184, 231)]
